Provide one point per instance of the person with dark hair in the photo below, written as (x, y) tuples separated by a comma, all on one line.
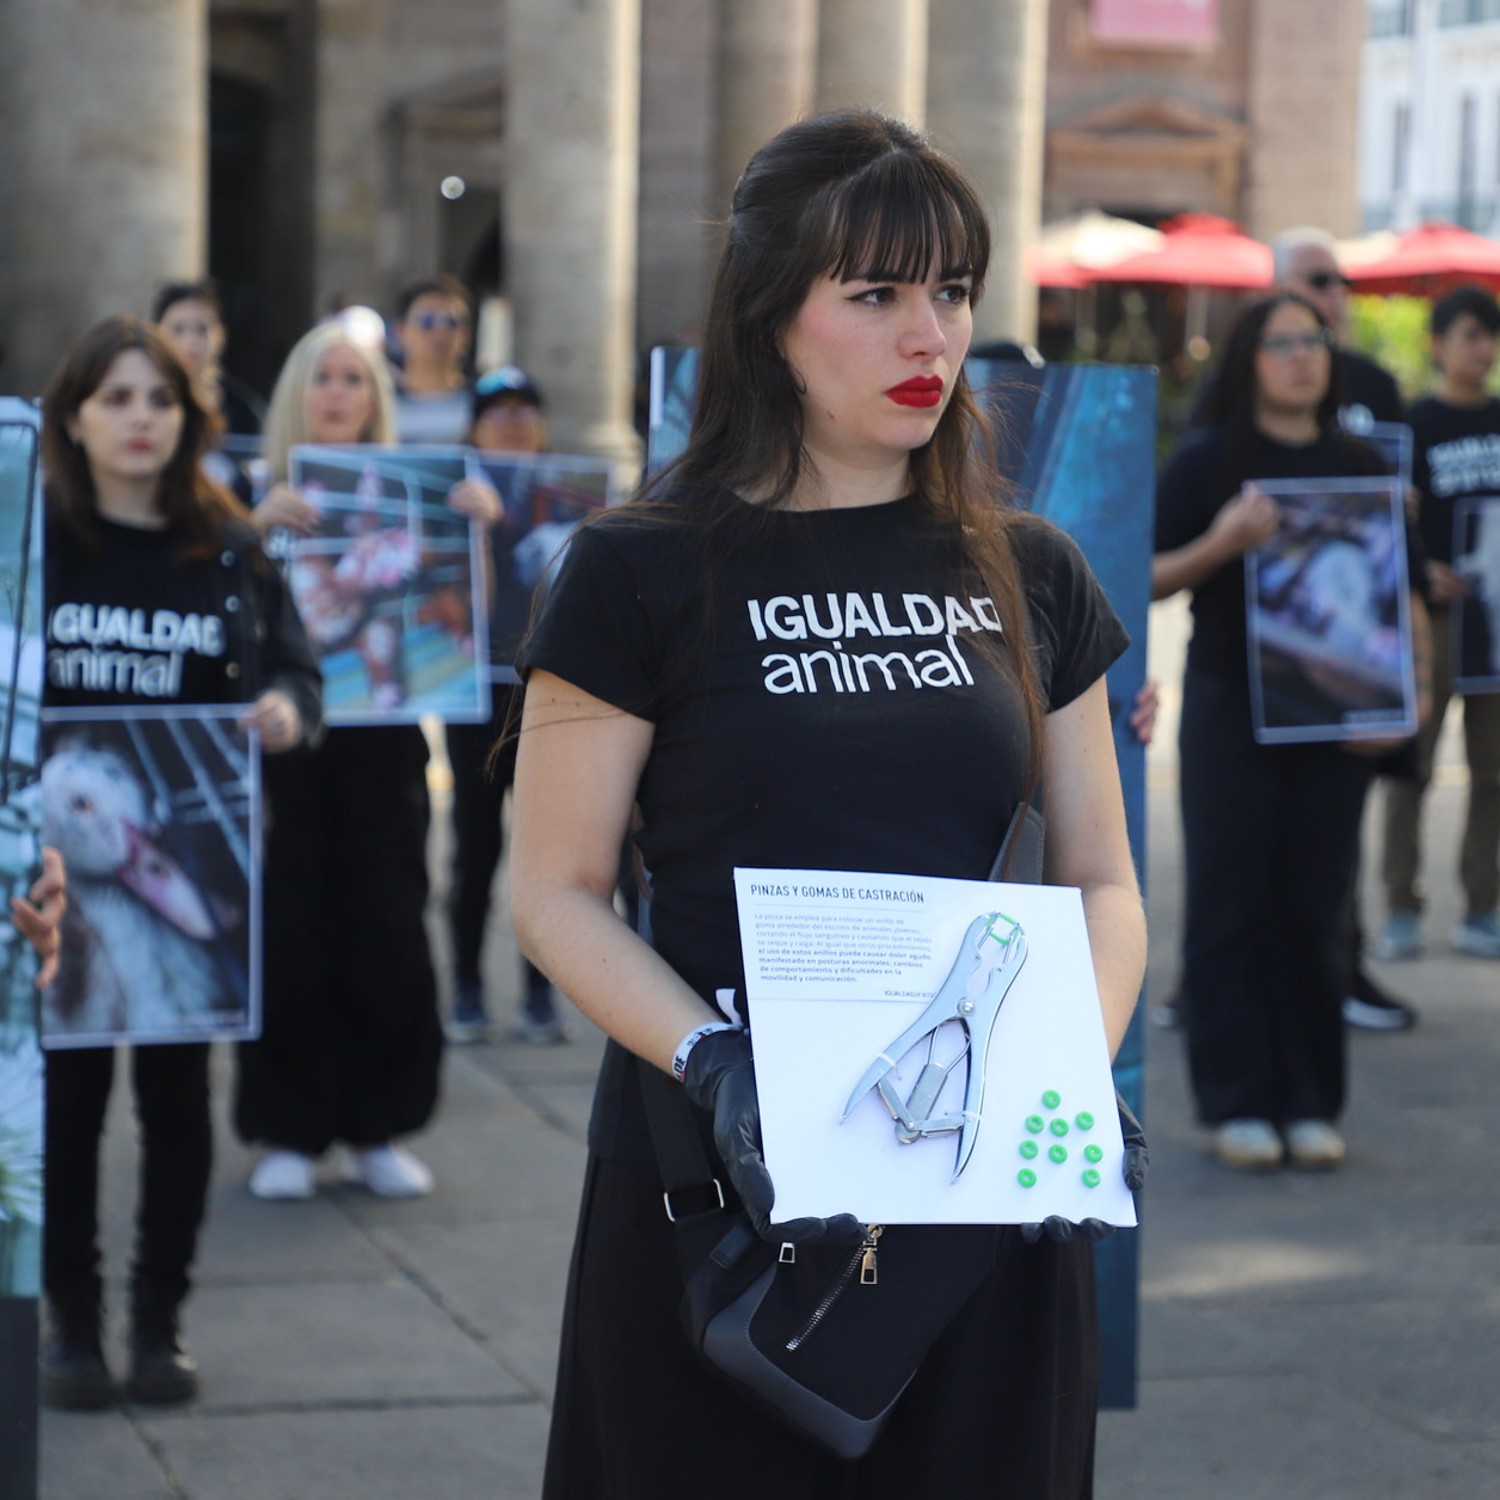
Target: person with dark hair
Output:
[(1456, 437), (134, 525), (509, 416), (1270, 831), (433, 329), (190, 317), (834, 460)]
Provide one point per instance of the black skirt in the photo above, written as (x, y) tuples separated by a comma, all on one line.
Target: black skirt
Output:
[(1003, 1407)]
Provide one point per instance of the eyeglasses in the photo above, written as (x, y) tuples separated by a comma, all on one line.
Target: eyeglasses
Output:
[(429, 320), (1282, 344), (1320, 281)]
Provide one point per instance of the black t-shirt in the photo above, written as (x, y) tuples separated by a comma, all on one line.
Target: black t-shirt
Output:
[(1190, 493), (1456, 454), (819, 701), (129, 624)]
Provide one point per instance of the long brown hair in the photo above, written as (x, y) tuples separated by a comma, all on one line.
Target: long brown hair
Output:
[(192, 505), (846, 194)]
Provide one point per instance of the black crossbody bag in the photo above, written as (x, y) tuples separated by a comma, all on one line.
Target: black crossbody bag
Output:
[(824, 1338)]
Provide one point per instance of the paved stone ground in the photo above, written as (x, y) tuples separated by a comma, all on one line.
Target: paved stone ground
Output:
[(1304, 1338)]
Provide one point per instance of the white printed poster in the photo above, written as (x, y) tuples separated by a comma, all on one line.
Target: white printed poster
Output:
[(1476, 616), (929, 1051)]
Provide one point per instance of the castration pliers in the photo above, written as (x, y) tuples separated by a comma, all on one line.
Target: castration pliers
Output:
[(989, 959)]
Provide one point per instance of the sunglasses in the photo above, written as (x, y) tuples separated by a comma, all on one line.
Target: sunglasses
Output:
[(1320, 281), (1282, 344), (431, 320)]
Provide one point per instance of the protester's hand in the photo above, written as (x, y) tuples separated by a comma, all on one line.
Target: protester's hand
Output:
[(1246, 522), (1143, 715), (1133, 1167), (287, 507), (477, 500), (274, 718), (1445, 584), (720, 1078), (39, 920)]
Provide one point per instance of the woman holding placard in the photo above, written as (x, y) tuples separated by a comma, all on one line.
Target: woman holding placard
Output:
[(135, 528), (833, 455), (1270, 830), (352, 1045)]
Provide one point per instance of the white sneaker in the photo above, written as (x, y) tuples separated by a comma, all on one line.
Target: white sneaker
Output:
[(1479, 935), (389, 1171), (1248, 1145), (1315, 1145), (282, 1175)]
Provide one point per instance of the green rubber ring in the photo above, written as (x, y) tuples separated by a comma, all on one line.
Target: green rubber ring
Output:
[(1051, 1098), (1029, 1149), (1059, 1127), (1059, 1154), (1084, 1120), (1035, 1124), (1026, 1177), (1090, 1178), (1094, 1153)]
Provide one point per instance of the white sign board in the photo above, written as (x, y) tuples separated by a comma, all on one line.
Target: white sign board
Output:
[(858, 982)]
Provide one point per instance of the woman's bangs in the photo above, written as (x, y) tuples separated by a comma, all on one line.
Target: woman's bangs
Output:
[(901, 218)]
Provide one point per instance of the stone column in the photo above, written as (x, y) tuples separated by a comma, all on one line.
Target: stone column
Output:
[(103, 167), (986, 103), (874, 52), (572, 123), (766, 56)]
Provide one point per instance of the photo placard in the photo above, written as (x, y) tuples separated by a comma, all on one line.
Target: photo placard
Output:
[(157, 816), (1328, 609), (544, 497), (1476, 616), (388, 584)]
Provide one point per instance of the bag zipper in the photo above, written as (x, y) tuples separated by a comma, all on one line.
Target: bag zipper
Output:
[(862, 1260)]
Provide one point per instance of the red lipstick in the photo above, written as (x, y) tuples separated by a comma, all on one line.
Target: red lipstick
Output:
[(920, 390)]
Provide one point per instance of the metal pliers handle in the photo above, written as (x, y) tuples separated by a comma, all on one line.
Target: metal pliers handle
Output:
[(989, 959)]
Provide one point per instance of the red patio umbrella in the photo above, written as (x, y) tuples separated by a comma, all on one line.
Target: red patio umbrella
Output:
[(1196, 250), (1429, 259)]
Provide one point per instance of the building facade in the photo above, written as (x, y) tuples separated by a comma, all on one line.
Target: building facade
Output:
[(1429, 137)]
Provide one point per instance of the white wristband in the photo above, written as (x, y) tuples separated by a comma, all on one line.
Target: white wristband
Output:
[(691, 1040)]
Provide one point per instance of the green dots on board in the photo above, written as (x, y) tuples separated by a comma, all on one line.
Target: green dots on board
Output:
[(1057, 1153)]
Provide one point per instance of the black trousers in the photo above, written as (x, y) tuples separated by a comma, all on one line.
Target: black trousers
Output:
[(171, 1103), (1004, 1406), (351, 1048), (1271, 842), (479, 790)]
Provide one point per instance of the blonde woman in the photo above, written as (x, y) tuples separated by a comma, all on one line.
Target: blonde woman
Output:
[(352, 1043)]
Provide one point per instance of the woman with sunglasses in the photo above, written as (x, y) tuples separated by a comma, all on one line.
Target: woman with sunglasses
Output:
[(1270, 831), (432, 392)]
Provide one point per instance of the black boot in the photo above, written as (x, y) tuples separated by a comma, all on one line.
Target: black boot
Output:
[(162, 1372), (74, 1376)]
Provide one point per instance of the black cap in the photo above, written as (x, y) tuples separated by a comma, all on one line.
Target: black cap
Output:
[(505, 383)]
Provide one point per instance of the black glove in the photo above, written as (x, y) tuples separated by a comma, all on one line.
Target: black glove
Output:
[(720, 1078), (1133, 1167)]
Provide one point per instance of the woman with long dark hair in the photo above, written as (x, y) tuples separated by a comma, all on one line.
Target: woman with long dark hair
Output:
[(135, 526), (832, 470), (1270, 831)]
